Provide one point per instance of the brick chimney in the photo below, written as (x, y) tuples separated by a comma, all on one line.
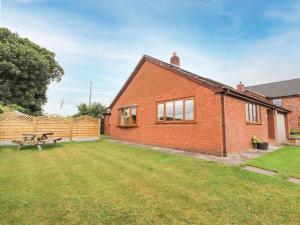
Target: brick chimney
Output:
[(175, 59), (241, 87)]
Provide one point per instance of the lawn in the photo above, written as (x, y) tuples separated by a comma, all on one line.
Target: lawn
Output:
[(107, 183), (286, 161)]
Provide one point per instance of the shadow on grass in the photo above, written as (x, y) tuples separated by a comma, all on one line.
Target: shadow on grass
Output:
[(46, 147)]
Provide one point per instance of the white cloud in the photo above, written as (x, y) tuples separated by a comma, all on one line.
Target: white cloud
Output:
[(291, 14), (114, 53), (27, 1), (42, 32), (271, 59)]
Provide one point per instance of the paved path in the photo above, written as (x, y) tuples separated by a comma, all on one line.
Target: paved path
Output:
[(259, 170), (294, 180), (269, 173), (231, 159)]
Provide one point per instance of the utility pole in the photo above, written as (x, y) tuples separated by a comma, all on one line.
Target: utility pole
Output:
[(90, 99)]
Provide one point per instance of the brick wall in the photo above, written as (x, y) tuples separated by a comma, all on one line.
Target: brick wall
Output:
[(152, 84), (238, 132), (293, 104)]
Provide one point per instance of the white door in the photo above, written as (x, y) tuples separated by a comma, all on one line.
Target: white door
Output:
[(281, 128)]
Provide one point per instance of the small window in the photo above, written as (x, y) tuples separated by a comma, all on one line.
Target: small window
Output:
[(252, 112), (178, 110), (169, 111), (250, 109), (133, 115), (121, 117), (277, 102), (189, 109), (127, 116)]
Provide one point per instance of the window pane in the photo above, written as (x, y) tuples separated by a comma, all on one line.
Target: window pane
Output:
[(160, 111), (169, 111), (126, 115), (247, 111), (250, 113), (254, 113), (277, 102), (122, 118), (258, 114), (119, 117), (189, 109), (133, 115), (179, 110)]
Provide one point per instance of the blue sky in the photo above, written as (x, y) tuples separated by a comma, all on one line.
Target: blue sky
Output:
[(253, 41)]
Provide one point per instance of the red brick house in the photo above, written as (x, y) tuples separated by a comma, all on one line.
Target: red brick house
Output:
[(163, 105), (283, 93)]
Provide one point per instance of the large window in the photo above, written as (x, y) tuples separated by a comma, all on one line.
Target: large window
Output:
[(253, 113), (127, 116), (178, 110)]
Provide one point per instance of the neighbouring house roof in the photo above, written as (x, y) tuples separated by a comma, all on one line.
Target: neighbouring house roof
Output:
[(278, 89), (209, 83)]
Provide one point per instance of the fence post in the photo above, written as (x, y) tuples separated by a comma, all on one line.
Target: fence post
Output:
[(34, 124), (71, 129)]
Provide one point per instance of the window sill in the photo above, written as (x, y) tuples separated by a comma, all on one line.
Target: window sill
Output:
[(127, 126), (253, 123), (176, 122)]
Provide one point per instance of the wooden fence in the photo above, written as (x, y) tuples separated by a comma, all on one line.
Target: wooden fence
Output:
[(14, 124)]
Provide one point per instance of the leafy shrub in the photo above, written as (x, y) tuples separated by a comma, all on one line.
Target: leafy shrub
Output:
[(12, 107), (294, 131)]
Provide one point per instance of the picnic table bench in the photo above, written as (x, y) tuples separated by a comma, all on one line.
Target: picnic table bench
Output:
[(37, 139)]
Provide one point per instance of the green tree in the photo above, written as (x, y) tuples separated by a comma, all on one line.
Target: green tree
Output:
[(96, 110), (9, 108), (26, 70)]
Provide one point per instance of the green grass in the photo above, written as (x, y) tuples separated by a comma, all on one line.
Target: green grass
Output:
[(107, 183), (285, 161)]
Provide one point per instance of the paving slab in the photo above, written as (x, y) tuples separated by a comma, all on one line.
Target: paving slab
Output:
[(231, 159), (260, 171), (294, 180)]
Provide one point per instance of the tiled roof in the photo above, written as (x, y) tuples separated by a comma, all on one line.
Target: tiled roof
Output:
[(278, 89), (215, 85)]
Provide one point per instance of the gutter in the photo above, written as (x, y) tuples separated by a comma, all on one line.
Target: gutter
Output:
[(249, 98)]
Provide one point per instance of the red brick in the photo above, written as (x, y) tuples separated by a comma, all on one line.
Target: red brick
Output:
[(153, 83)]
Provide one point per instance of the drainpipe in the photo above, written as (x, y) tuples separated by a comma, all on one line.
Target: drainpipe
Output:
[(223, 125)]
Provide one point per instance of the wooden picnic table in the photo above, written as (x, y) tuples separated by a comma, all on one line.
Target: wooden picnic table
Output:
[(37, 139)]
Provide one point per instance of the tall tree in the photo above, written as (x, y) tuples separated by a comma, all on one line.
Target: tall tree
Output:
[(96, 110), (26, 69)]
